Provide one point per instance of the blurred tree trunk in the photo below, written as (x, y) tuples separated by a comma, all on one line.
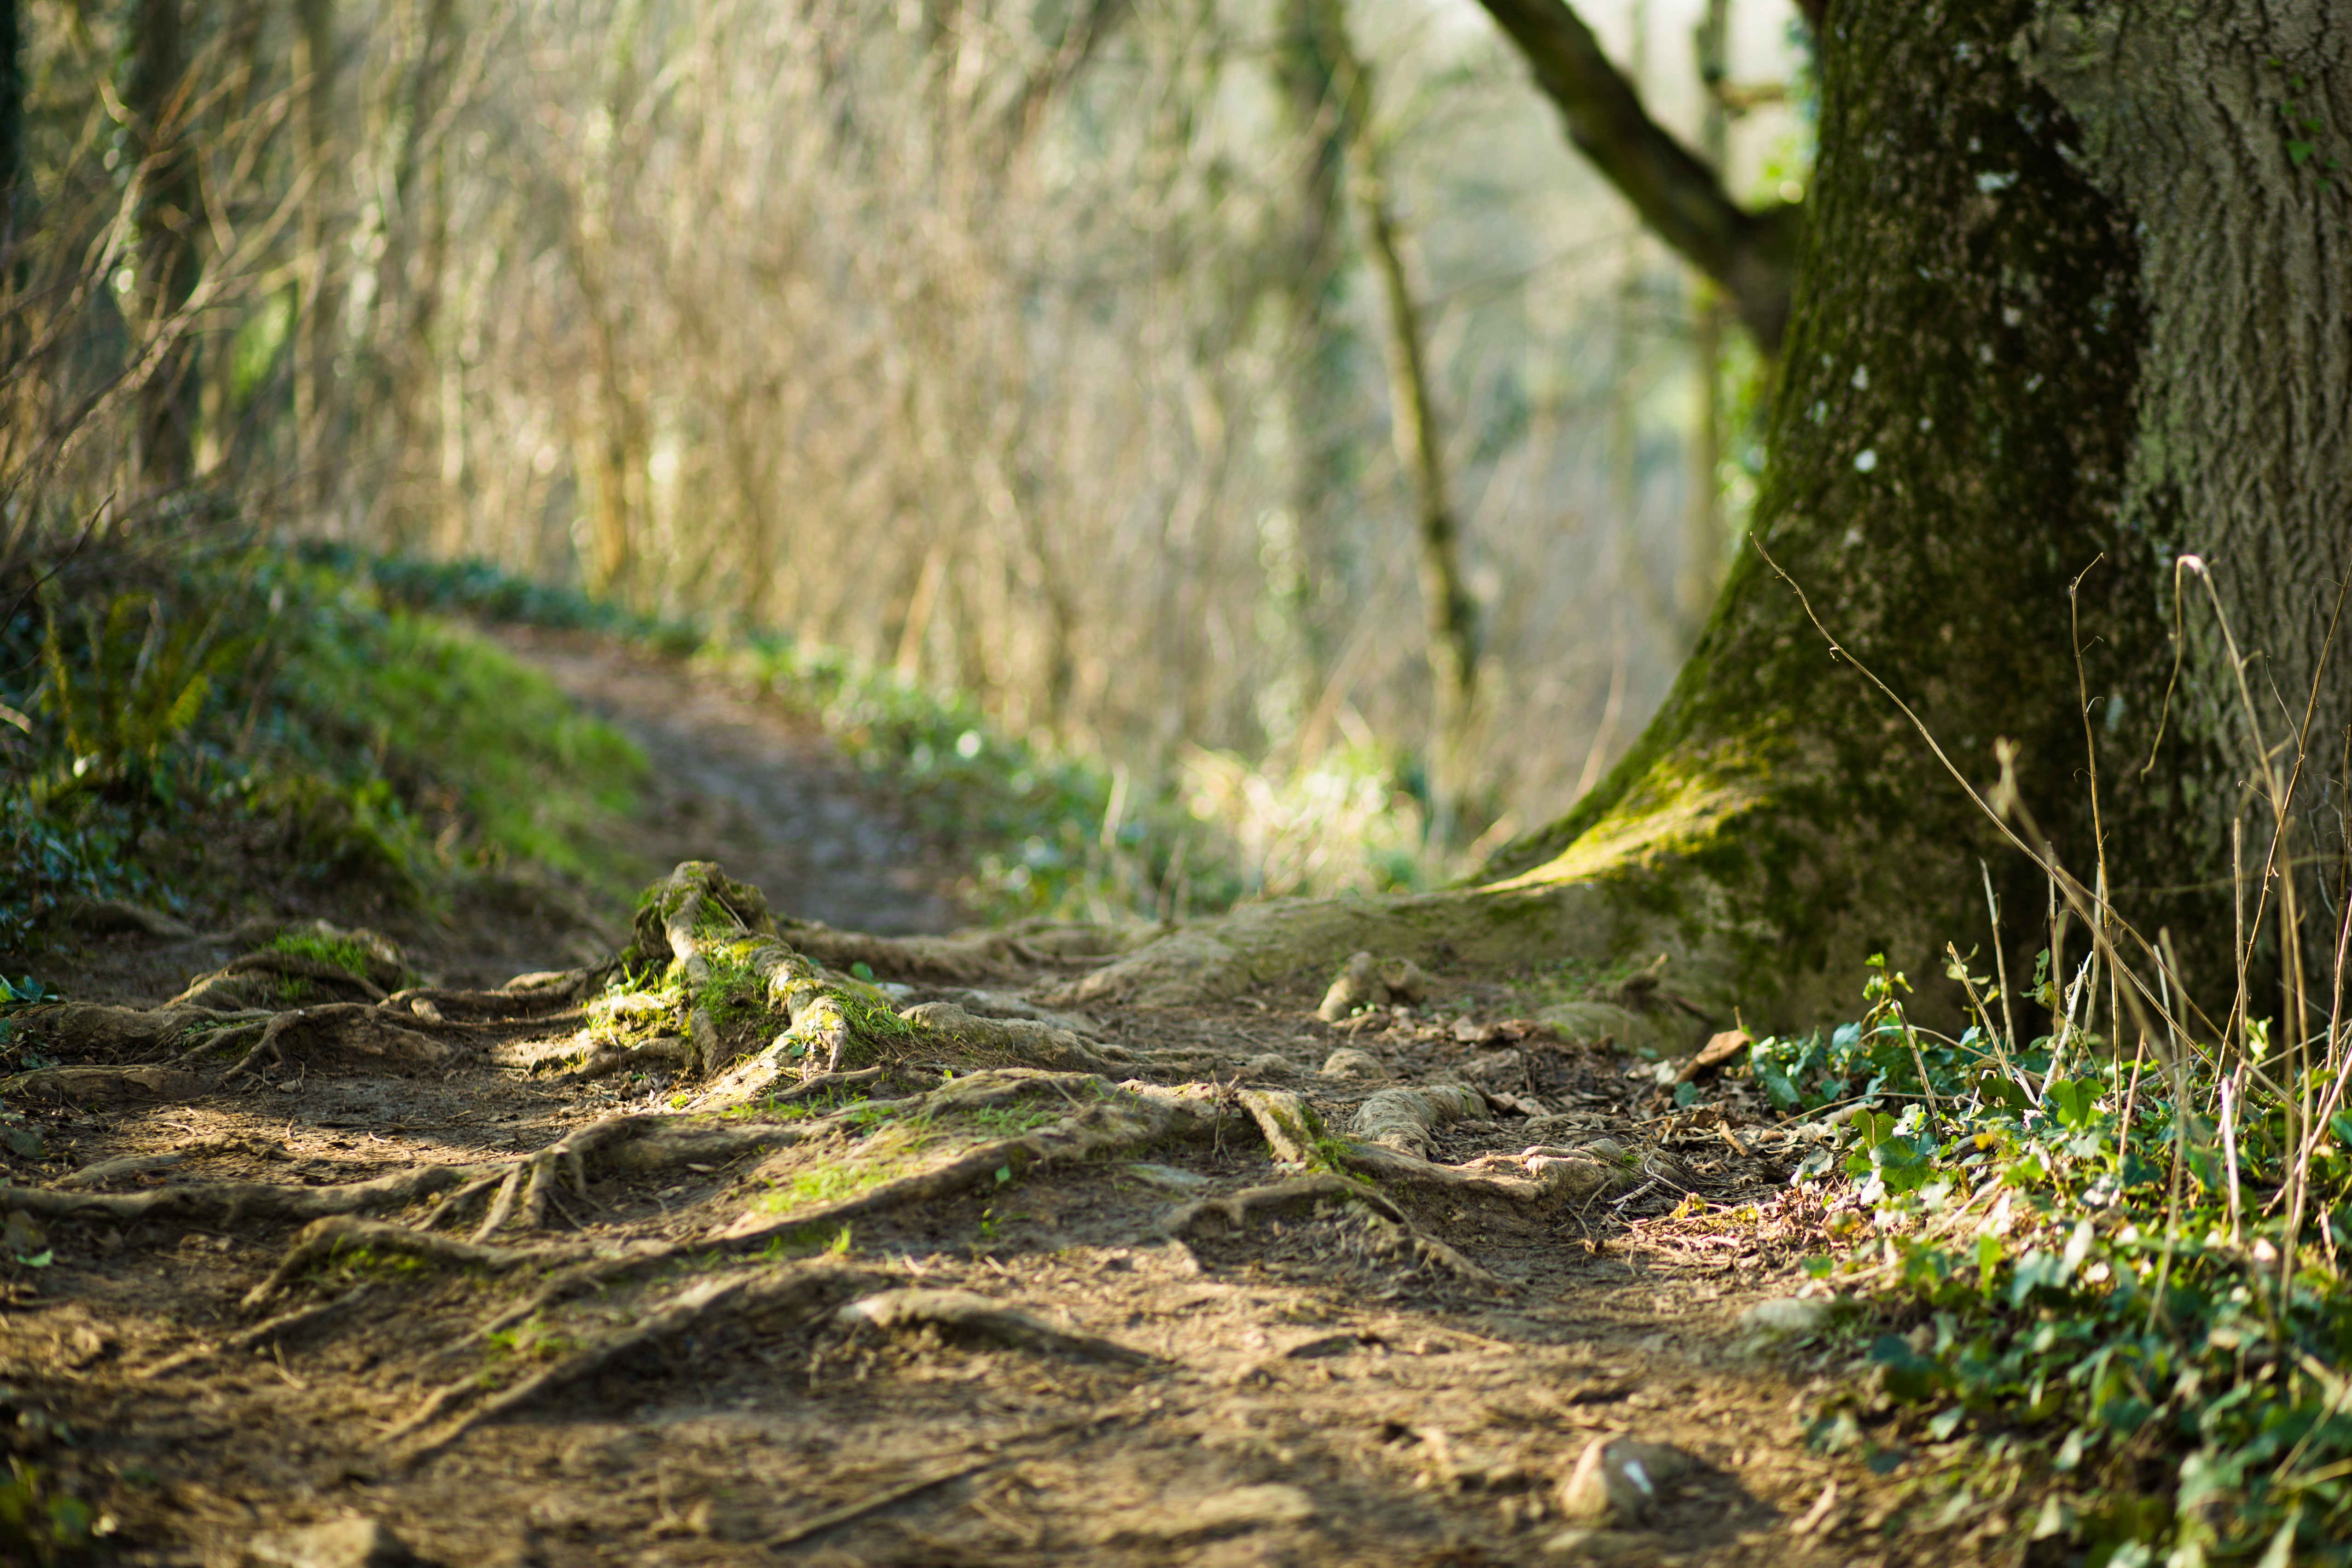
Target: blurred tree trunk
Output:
[(11, 117), (317, 60), (217, 397), (413, 268), (1450, 615), (156, 93), (2058, 318), (1323, 447), (613, 438)]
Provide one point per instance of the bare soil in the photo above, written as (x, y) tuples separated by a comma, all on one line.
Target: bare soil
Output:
[(1293, 1389)]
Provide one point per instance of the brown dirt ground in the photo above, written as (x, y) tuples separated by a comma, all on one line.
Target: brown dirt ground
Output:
[(1303, 1398)]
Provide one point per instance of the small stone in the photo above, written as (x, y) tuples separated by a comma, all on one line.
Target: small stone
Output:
[(1785, 1317), (1469, 1030), (1350, 1062), (1267, 1064), (1616, 1481), (1167, 1176), (352, 1541)]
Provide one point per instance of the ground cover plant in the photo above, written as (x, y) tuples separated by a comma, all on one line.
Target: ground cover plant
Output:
[(183, 696)]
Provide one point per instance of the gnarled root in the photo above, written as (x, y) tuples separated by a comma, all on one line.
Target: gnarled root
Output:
[(81, 1085), (969, 1313), (351, 1027), (1397, 1233), (1297, 1194), (323, 1240)]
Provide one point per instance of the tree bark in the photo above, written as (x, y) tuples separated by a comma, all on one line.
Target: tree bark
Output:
[(155, 92), (2059, 317)]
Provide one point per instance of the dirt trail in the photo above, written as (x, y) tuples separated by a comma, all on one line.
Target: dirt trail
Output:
[(740, 782), (676, 1346)]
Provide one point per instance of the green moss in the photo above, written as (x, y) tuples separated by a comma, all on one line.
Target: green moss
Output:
[(341, 952)]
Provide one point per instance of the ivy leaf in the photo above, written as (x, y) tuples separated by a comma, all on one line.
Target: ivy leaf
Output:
[(1907, 1374), (2299, 152), (2072, 1100)]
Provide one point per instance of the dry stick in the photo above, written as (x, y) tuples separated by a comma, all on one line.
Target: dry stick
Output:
[(2230, 1155), (2298, 1106), (2000, 957), (2091, 750), (2057, 917), (2131, 1096), (2241, 947), (2171, 1063), (2000, 1054), (2336, 1038)]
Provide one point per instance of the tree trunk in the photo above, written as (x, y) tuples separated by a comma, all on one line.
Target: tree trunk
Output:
[(156, 93), (1450, 617), (12, 121), (2057, 316), (315, 64)]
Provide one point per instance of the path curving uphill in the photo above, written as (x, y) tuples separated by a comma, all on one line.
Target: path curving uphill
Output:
[(740, 782)]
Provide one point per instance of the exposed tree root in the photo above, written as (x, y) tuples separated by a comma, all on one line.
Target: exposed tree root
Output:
[(1028, 1041), (1298, 1137), (323, 1240), (1102, 1119), (229, 1202), (524, 1187), (81, 1085), (1294, 1196), (354, 1028), (1403, 1119), (1396, 1234), (92, 1030), (969, 1313), (284, 1327), (797, 1290)]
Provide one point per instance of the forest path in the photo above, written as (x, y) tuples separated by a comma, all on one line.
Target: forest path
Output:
[(944, 1309), (740, 781)]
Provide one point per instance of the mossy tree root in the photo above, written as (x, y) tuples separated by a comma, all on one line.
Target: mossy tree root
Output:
[(524, 1186)]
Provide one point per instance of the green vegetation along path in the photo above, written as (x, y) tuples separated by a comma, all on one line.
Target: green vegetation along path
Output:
[(740, 781)]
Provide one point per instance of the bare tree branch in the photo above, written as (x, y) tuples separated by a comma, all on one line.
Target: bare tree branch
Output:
[(1750, 254)]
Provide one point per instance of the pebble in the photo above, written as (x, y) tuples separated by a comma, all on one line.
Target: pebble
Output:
[(352, 1541), (1786, 1316)]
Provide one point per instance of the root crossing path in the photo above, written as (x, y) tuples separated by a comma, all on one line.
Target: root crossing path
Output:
[(711, 1253)]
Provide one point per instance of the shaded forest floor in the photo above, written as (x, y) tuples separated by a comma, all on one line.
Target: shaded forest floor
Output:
[(1129, 1374)]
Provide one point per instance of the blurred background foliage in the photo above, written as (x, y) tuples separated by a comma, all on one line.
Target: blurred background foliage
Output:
[(1001, 383)]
